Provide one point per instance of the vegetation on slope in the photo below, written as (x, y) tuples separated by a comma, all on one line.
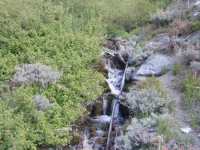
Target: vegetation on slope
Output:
[(66, 37)]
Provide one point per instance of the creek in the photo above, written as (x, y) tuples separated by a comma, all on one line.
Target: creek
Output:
[(99, 129)]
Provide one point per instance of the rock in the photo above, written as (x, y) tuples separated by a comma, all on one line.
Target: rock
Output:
[(128, 73), (87, 148), (130, 128), (152, 66), (186, 130), (197, 3), (196, 9)]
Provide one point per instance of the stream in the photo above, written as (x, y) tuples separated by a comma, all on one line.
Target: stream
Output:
[(98, 130)]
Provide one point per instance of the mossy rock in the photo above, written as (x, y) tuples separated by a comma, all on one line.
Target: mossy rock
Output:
[(101, 140)]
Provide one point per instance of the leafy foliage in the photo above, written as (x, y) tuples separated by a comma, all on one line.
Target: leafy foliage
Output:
[(46, 33)]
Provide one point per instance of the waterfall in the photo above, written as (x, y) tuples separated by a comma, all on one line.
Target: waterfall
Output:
[(115, 109), (116, 104), (105, 104), (114, 80)]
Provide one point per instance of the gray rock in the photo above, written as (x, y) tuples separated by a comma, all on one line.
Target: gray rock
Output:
[(152, 66), (130, 128), (87, 148), (128, 73)]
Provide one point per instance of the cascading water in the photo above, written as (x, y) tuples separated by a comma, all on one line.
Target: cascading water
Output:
[(105, 104), (118, 119), (115, 81)]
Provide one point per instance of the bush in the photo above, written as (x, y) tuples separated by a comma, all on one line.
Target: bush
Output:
[(189, 55), (195, 25), (164, 126), (191, 87), (42, 103), (150, 82), (30, 73), (164, 17), (25, 127), (176, 68), (146, 101), (138, 54), (56, 36), (142, 133), (195, 65), (178, 28), (139, 134)]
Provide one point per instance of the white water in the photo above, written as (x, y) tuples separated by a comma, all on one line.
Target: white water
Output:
[(102, 119), (105, 104), (114, 80)]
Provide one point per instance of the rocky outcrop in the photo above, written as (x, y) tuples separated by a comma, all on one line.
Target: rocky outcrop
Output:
[(152, 66)]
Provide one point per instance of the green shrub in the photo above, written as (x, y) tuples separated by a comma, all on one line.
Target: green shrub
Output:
[(49, 34), (164, 126), (176, 68), (195, 25), (194, 118), (191, 90)]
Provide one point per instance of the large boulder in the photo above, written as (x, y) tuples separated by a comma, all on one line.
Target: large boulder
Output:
[(152, 66), (128, 73)]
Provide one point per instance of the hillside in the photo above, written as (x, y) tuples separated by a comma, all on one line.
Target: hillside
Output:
[(52, 68)]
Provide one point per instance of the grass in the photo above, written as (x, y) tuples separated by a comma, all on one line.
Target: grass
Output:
[(176, 68)]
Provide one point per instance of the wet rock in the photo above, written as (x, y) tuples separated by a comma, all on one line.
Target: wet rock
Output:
[(101, 140), (87, 148), (129, 72), (97, 109), (152, 66)]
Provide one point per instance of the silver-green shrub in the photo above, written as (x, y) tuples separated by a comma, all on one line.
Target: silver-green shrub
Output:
[(145, 101), (143, 132), (29, 73), (163, 17), (189, 55), (138, 54), (42, 103), (195, 65), (139, 135)]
